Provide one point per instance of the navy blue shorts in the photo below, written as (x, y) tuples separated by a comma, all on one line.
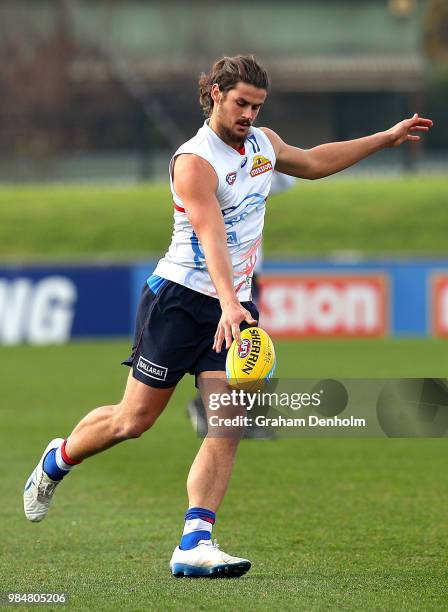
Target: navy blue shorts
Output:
[(174, 333)]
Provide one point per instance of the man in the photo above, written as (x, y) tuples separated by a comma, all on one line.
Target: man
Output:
[(198, 297)]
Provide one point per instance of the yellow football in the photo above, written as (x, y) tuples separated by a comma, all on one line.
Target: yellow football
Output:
[(252, 363)]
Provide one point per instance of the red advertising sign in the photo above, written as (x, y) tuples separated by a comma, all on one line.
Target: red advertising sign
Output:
[(440, 305), (324, 305)]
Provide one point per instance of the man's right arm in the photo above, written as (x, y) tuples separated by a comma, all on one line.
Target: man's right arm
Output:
[(195, 182)]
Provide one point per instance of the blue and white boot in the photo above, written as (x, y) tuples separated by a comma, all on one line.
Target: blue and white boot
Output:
[(39, 488), (207, 560)]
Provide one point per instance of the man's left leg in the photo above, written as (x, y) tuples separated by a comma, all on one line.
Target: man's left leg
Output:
[(206, 486), (212, 467)]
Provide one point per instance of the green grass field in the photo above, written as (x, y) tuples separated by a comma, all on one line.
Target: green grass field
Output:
[(376, 215), (330, 524)]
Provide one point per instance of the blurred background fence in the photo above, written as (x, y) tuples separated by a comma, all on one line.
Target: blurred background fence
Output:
[(105, 90)]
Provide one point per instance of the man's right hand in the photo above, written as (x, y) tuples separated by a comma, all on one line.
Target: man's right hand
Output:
[(229, 324)]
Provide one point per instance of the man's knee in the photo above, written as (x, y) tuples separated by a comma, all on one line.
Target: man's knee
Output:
[(131, 421), (225, 443)]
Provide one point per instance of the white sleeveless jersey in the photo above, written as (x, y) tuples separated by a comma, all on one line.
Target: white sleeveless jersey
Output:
[(244, 182)]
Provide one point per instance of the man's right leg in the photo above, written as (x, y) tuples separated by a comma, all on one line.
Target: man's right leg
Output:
[(106, 426), (100, 429)]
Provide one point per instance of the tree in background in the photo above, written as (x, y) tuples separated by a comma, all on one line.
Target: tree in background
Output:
[(436, 30), (436, 47)]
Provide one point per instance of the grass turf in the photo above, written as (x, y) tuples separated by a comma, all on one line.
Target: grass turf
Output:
[(329, 523), (60, 222)]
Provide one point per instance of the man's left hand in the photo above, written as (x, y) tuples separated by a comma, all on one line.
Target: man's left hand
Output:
[(405, 130)]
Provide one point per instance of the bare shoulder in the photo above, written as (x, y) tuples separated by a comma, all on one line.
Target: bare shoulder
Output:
[(189, 163), (191, 172), (275, 139)]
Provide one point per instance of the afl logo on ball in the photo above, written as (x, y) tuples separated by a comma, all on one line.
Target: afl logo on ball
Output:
[(244, 348), (231, 177)]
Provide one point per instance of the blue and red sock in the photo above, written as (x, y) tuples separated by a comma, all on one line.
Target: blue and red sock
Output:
[(57, 463), (198, 526)]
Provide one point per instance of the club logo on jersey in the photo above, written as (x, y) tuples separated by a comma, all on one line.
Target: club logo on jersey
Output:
[(244, 348), (244, 162), (260, 165), (231, 178)]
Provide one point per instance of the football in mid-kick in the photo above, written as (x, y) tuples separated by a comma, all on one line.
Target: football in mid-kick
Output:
[(252, 363)]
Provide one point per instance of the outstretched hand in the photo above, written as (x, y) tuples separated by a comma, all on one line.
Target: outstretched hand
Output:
[(405, 130)]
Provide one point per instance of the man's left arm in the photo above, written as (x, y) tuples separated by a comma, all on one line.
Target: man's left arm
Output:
[(333, 157)]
